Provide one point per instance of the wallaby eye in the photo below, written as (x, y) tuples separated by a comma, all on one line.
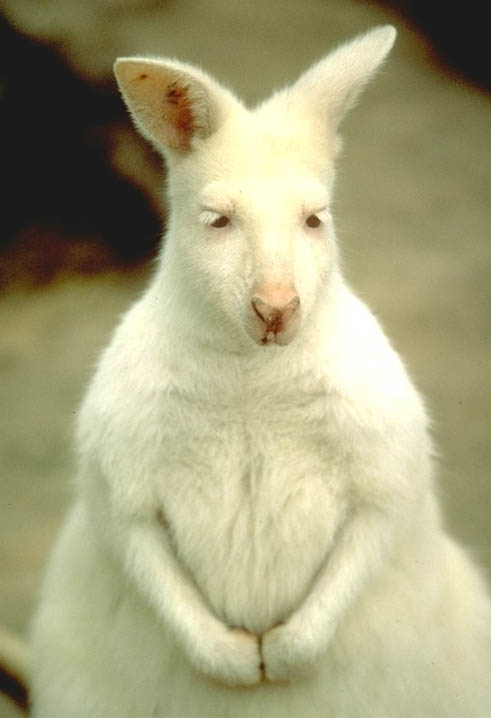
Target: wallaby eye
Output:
[(313, 221), (220, 222)]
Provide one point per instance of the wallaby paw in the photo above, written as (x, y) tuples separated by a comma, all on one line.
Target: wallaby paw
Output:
[(232, 657), (287, 653)]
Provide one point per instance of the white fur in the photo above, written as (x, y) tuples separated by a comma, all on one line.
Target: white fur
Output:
[(255, 532)]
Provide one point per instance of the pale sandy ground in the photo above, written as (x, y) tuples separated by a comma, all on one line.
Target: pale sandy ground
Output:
[(413, 217)]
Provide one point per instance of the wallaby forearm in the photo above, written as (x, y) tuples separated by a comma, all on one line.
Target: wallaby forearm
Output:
[(147, 557)]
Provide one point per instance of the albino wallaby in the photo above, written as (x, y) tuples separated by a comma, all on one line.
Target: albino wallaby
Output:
[(255, 533)]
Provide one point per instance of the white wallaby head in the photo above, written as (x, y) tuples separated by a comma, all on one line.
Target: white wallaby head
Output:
[(250, 251)]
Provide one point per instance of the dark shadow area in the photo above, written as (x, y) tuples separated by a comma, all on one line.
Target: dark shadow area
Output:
[(15, 690), (63, 203), (458, 33)]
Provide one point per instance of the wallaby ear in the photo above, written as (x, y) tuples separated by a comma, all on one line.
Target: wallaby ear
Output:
[(334, 84), (170, 102)]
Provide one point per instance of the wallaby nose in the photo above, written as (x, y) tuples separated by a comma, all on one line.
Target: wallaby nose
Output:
[(275, 308)]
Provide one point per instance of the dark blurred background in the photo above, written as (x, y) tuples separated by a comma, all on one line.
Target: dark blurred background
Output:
[(83, 212), (79, 190)]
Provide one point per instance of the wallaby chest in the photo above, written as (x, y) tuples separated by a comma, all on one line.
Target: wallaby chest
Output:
[(246, 495)]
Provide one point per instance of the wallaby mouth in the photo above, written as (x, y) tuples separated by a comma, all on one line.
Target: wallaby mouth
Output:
[(277, 334)]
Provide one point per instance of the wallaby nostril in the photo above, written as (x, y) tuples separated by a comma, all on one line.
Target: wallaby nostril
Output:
[(257, 303), (293, 305), (264, 311)]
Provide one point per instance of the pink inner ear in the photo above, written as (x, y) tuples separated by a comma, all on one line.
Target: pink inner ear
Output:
[(177, 111)]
